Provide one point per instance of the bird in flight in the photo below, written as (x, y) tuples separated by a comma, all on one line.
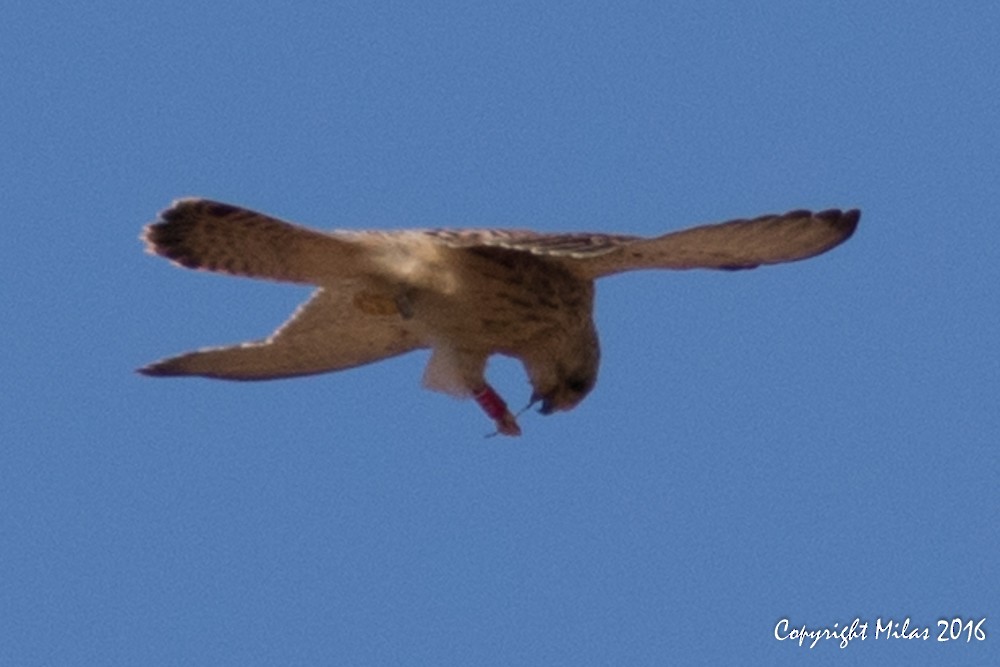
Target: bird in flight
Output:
[(465, 294)]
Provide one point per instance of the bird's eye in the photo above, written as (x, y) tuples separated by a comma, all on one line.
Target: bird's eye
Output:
[(577, 385)]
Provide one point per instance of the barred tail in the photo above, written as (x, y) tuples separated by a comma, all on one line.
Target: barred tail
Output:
[(208, 235)]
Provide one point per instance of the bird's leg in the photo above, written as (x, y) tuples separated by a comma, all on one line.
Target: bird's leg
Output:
[(496, 409)]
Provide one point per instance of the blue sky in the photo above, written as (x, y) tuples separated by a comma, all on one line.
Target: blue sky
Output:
[(816, 441)]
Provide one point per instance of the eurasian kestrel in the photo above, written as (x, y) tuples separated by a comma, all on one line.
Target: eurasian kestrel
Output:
[(465, 294)]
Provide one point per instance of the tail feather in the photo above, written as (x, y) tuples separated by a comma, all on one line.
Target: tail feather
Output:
[(208, 235)]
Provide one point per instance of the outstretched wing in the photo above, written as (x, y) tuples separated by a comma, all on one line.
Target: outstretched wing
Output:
[(738, 244), (335, 329), (204, 234)]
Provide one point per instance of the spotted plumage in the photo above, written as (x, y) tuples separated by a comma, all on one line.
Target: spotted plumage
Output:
[(464, 294)]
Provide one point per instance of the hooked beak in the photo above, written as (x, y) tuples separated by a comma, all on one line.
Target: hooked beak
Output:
[(547, 408)]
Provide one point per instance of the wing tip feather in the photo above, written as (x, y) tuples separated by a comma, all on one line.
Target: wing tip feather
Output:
[(845, 222), (159, 369)]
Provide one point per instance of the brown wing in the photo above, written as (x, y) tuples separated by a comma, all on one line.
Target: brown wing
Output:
[(336, 329), (203, 234), (578, 245), (738, 244)]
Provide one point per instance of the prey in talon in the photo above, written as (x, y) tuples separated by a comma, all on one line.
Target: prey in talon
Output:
[(464, 294), (496, 409)]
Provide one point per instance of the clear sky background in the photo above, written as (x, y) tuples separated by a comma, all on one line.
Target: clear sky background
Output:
[(815, 441)]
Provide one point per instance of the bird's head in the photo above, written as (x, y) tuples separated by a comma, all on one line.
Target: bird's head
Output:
[(568, 378)]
